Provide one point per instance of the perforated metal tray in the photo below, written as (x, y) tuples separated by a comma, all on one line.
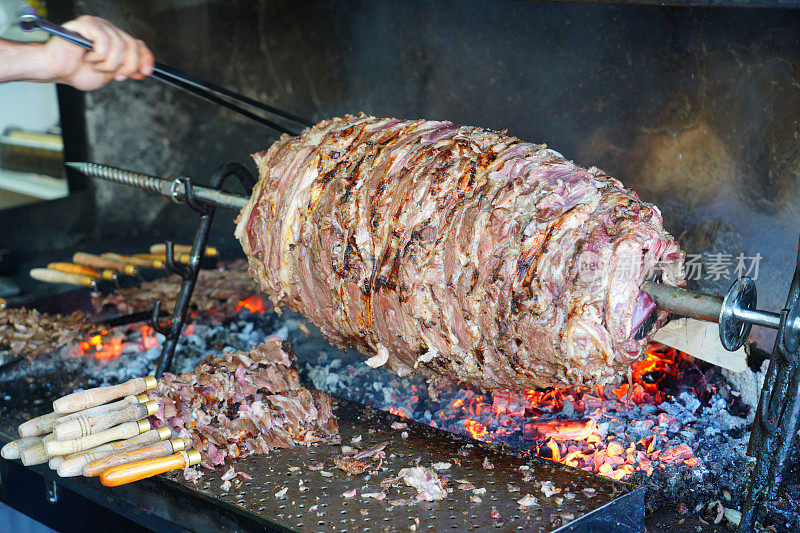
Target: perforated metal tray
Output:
[(585, 502)]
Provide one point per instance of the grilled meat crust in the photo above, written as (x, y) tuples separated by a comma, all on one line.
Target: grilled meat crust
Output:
[(456, 251)]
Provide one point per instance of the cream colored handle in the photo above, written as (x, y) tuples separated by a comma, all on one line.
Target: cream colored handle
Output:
[(123, 431), (54, 276), (99, 409), (55, 462), (159, 449), (35, 455), (13, 449), (31, 428), (73, 464), (95, 261), (82, 426), (78, 401)]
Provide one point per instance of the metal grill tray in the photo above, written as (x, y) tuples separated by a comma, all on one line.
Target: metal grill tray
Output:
[(586, 503)]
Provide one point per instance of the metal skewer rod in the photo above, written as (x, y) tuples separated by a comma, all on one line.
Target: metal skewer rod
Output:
[(170, 187), (704, 306), (30, 20)]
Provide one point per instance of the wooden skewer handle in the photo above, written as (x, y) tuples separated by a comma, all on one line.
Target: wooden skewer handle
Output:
[(159, 449), (55, 462), (130, 260), (13, 449), (35, 455), (179, 258), (99, 409), (74, 269), (122, 431), (81, 426), (161, 249), (73, 464), (31, 427), (54, 276), (95, 261), (78, 401), (120, 475)]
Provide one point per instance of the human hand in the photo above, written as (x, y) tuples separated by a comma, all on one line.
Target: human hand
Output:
[(115, 55)]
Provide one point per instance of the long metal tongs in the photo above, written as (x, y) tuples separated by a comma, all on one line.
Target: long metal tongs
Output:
[(30, 20)]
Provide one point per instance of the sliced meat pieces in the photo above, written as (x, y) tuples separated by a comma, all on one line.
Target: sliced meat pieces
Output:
[(244, 403)]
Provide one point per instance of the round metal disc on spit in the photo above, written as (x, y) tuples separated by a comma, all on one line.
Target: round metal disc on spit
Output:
[(733, 332)]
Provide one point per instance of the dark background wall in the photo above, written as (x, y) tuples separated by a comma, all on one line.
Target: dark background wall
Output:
[(696, 108)]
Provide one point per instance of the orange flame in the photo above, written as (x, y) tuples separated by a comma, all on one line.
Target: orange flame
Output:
[(254, 304)]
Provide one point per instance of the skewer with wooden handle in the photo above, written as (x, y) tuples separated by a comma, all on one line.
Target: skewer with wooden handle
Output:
[(135, 261), (31, 428), (36, 454), (161, 249), (122, 431), (95, 261), (44, 424), (78, 401), (73, 268), (54, 276), (13, 449), (159, 449), (120, 475), (84, 425), (97, 410), (179, 258), (73, 464)]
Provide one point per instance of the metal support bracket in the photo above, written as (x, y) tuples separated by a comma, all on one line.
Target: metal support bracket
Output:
[(777, 418), (172, 329)]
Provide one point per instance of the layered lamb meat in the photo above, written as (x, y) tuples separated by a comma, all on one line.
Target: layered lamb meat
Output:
[(457, 252), (243, 403)]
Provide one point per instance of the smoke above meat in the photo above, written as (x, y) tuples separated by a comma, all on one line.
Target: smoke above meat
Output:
[(457, 252)]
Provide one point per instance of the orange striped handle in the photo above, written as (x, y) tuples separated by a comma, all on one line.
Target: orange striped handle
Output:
[(161, 249), (128, 473), (95, 261), (137, 261), (72, 268), (159, 449)]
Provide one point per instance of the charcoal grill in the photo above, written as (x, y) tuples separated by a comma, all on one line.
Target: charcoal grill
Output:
[(586, 502), (775, 412)]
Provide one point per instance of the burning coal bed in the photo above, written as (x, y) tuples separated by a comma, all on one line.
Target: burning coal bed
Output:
[(680, 429)]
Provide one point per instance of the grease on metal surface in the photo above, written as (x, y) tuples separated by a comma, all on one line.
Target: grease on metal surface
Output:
[(314, 502)]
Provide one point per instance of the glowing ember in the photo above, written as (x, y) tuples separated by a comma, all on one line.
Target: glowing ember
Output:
[(148, 339), (474, 428), (254, 304), (565, 430), (572, 425), (102, 347), (398, 411)]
